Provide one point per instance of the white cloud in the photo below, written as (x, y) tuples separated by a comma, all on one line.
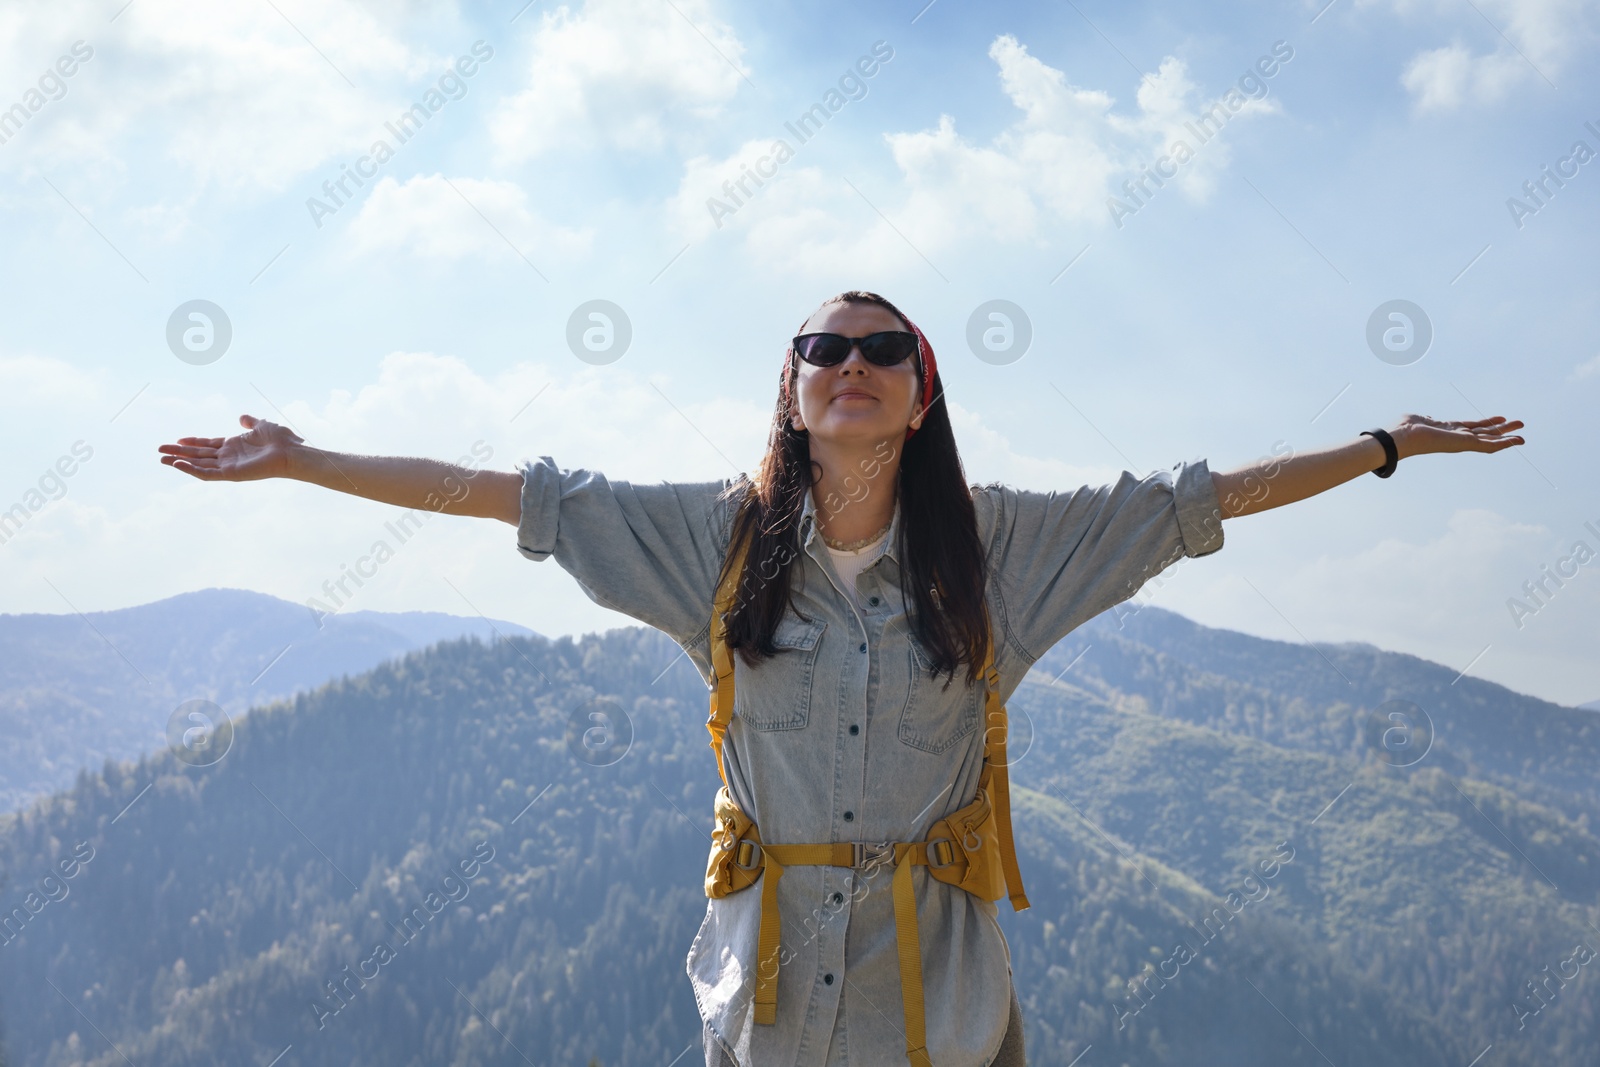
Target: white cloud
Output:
[(28, 381), (1442, 597), (438, 218), (235, 95), (1528, 41), (1446, 598), (623, 71), (1445, 78), (132, 531), (1059, 162), (1589, 368), (1070, 146), (798, 211), (988, 456), (1421, 580)]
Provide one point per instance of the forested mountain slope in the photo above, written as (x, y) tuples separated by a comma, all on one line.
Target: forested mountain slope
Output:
[(1279, 898)]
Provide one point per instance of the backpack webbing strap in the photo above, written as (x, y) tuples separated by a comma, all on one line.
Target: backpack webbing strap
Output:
[(907, 854), (774, 858), (994, 754), (722, 657)]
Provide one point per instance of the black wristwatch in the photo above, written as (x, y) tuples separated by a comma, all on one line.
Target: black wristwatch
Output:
[(1389, 450)]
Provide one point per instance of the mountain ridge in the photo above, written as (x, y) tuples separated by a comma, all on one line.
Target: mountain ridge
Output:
[(1401, 931), (76, 691)]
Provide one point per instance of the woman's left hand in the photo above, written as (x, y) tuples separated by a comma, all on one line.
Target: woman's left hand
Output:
[(1418, 435)]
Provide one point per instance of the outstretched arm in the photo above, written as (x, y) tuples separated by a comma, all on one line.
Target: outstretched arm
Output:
[(267, 450), (1269, 483)]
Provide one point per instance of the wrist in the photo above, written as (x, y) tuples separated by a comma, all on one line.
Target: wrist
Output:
[(299, 461), (1388, 448), (1404, 443)]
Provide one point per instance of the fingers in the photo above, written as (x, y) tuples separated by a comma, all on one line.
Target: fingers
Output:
[(181, 463), (1463, 424), (205, 474), (1492, 444), (1489, 432), (195, 451)]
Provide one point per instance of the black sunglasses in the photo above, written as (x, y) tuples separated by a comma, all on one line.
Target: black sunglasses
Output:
[(884, 349)]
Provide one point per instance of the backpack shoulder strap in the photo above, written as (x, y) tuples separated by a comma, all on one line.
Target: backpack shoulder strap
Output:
[(995, 723), (722, 656), (994, 755)]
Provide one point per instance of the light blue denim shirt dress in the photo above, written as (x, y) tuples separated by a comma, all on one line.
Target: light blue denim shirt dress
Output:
[(845, 737)]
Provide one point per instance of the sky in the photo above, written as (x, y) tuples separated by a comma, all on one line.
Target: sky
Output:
[(1135, 234)]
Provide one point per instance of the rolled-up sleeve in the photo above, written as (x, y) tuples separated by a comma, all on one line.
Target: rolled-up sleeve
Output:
[(650, 551), (1060, 559)]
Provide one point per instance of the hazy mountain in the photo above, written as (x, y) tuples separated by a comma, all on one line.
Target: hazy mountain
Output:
[(76, 690), (1335, 699), (1408, 913)]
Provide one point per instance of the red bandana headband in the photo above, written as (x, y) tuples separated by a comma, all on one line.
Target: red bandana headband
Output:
[(927, 367)]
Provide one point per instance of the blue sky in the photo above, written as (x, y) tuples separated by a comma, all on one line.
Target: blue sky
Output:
[(1224, 316)]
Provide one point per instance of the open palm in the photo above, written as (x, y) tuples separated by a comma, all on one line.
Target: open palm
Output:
[(262, 451), (1425, 434)]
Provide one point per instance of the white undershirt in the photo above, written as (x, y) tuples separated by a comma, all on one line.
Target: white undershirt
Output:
[(851, 564)]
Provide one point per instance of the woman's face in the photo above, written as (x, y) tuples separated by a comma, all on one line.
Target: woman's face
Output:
[(857, 400)]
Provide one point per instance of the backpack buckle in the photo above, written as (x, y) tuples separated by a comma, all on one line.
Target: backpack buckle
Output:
[(746, 847), (868, 856), (935, 851)]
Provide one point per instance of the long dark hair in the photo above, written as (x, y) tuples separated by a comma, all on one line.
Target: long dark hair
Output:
[(942, 563)]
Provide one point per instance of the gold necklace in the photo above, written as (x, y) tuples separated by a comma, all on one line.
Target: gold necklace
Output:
[(854, 546)]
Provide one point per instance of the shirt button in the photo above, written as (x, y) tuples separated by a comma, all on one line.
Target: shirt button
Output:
[(828, 978), (838, 898), (863, 646), (854, 729), (873, 601), (849, 816)]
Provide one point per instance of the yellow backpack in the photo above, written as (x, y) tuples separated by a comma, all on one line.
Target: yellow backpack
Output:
[(970, 848)]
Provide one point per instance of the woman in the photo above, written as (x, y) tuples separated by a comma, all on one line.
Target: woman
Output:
[(866, 580)]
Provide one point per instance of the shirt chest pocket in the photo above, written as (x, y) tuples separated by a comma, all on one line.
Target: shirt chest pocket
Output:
[(935, 717), (777, 694)]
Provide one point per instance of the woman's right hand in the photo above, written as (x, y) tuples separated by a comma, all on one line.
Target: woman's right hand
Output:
[(262, 451)]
